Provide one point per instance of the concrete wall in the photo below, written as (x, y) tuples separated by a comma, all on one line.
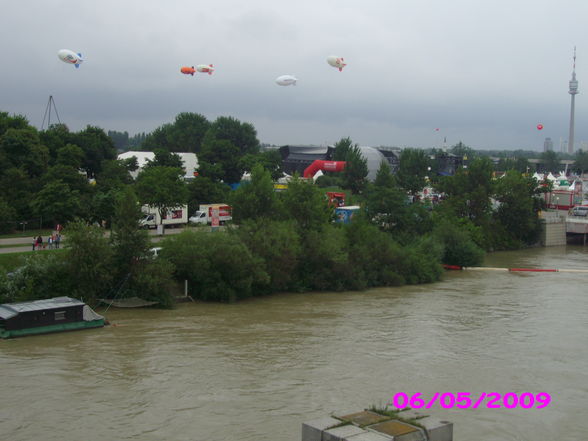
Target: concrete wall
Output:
[(554, 232)]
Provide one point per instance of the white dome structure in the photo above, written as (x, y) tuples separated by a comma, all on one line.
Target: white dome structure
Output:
[(374, 159)]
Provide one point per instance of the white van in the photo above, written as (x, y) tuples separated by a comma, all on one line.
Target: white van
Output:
[(580, 210)]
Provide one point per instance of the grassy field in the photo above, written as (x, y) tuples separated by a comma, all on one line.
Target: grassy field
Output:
[(11, 261), (29, 245), (28, 233)]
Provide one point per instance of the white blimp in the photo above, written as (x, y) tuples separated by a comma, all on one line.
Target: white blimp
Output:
[(205, 68), (286, 80), (336, 61), (70, 57)]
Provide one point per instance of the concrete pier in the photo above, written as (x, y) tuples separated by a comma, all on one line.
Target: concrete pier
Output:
[(554, 229), (373, 425)]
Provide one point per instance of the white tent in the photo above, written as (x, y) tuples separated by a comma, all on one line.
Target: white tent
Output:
[(189, 160)]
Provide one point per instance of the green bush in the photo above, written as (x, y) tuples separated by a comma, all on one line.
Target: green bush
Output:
[(42, 276), (459, 248), (325, 261), (218, 266), (277, 244), (153, 282)]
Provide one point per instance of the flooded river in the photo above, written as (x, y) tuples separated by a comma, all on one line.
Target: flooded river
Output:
[(256, 370)]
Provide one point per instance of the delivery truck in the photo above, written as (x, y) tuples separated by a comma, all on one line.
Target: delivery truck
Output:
[(176, 216), (205, 214)]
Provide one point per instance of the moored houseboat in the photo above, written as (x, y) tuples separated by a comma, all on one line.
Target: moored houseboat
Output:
[(44, 316)]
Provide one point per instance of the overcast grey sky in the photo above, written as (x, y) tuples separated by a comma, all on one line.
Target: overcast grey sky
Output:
[(483, 72)]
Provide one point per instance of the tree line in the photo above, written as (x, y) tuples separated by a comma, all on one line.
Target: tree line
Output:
[(285, 241)]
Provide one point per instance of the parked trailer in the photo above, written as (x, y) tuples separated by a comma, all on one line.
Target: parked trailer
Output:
[(175, 217), (205, 214)]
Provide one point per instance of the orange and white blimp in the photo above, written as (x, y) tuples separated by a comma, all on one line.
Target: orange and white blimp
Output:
[(205, 68), (186, 70), (70, 57), (336, 61), (286, 80)]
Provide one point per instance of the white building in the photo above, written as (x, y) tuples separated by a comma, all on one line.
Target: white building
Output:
[(189, 160)]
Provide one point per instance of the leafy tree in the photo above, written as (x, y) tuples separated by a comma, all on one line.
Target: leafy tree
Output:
[(241, 135), (55, 137), (162, 188), (70, 155), (130, 243), (69, 176), (18, 189), (458, 247), (219, 160), (188, 131), (136, 140), (203, 190), (413, 168), (342, 148), (257, 199), (277, 244), (40, 276), (89, 261), (271, 160), (386, 202), (218, 267), (57, 203), (463, 151), (469, 191), (159, 138), (521, 165), (185, 134), (355, 172), (114, 174), (164, 158), (141, 275), (550, 161), (153, 282), (518, 206), (374, 257), (581, 161), (17, 122), (21, 148), (307, 205), (97, 146), (131, 164), (325, 265), (119, 139), (8, 219)]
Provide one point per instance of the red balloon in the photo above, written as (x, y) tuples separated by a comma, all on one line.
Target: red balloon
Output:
[(539, 126)]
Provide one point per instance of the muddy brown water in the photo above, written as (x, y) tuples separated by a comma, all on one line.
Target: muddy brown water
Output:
[(257, 369)]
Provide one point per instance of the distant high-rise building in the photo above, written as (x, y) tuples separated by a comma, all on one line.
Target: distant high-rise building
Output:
[(548, 145), (573, 91)]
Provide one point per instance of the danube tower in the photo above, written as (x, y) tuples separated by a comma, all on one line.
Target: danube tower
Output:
[(573, 91)]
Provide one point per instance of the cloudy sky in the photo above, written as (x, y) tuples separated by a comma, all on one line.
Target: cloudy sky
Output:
[(482, 72)]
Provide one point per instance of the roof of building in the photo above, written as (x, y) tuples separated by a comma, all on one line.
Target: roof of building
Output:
[(189, 160), (374, 159), (8, 310)]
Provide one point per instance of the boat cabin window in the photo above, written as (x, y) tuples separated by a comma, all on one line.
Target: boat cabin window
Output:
[(59, 315)]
